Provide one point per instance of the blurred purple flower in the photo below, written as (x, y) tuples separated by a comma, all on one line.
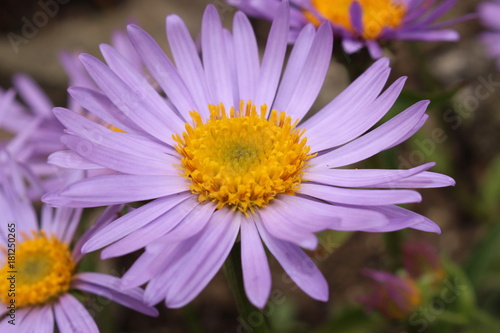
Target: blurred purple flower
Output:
[(45, 266), (393, 296), (489, 13), (365, 23), (420, 258), (236, 167)]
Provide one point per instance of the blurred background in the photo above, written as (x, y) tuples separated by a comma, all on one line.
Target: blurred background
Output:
[(462, 136)]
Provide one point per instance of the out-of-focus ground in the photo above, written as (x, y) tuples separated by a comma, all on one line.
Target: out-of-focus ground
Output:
[(471, 145)]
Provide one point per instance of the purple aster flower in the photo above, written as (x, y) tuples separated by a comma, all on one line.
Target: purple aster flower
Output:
[(364, 23), (394, 296), (36, 257), (489, 13), (230, 153)]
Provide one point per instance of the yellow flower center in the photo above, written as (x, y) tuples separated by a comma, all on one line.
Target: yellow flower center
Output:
[(40, 270), (243, 160), (377, 14)]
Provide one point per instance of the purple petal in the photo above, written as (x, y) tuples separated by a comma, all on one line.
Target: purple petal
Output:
[(297, 265), (274, 55), (256, 272), (33, 95), (152, 231), (215, 58), (71, 316), (312, 74), (246, 56), (204, 259), (158, 120), (363, 177), (132, 221), (360, 197), (188, 63), (163, 70), (421, 180), (115, 189), (109, 286), (375, 141)]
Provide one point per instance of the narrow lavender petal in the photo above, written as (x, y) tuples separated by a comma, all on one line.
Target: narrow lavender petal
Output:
[(152, 231), (149, 265), (375, 141), (318, 215), (274, 55), (414, 130), (71, 222), (21, 313), (231, 65), (63, 323), (351, 46), (246, 56), (123, 45), (429, 36), (132, 221), (312, 74), (374, 49), (139, 82), (75, 71), (357, 97), (160, 283), (360, 197), (420, 180), (215, 57), (110, 214), (191, 225), (162, 123), (278, 226), (109, 286), (204, 259), (73, 316), (297, 265), (256, 272), (362, 177), (120, 161), (100, 106), (115, 189), (33, 95), (44, 321), (188, 63), (123, 142), (71, 160), (356, 16), (488, 12), (31, 319), (347, 129), (401, 218), (163, 70), (296, 62)]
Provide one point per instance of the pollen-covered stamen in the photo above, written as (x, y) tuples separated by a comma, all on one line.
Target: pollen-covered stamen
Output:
[(377, 15), (43, 269), (243, 160)]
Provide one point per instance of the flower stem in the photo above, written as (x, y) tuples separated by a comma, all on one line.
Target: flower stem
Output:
[(251, 318)]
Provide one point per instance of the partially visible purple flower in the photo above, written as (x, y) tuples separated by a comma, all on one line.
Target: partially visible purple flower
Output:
[(228, 153), (394, 296), (45, 267), (420, 258), (489, 13), (364, 23)]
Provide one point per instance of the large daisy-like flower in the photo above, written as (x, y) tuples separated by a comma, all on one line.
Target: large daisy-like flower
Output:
[(363, 23), (230, 153), (489, 13), (38, 267)]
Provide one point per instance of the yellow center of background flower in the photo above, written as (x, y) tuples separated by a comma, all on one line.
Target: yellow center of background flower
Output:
[(377, 14), (243, 160), (43, 269)]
